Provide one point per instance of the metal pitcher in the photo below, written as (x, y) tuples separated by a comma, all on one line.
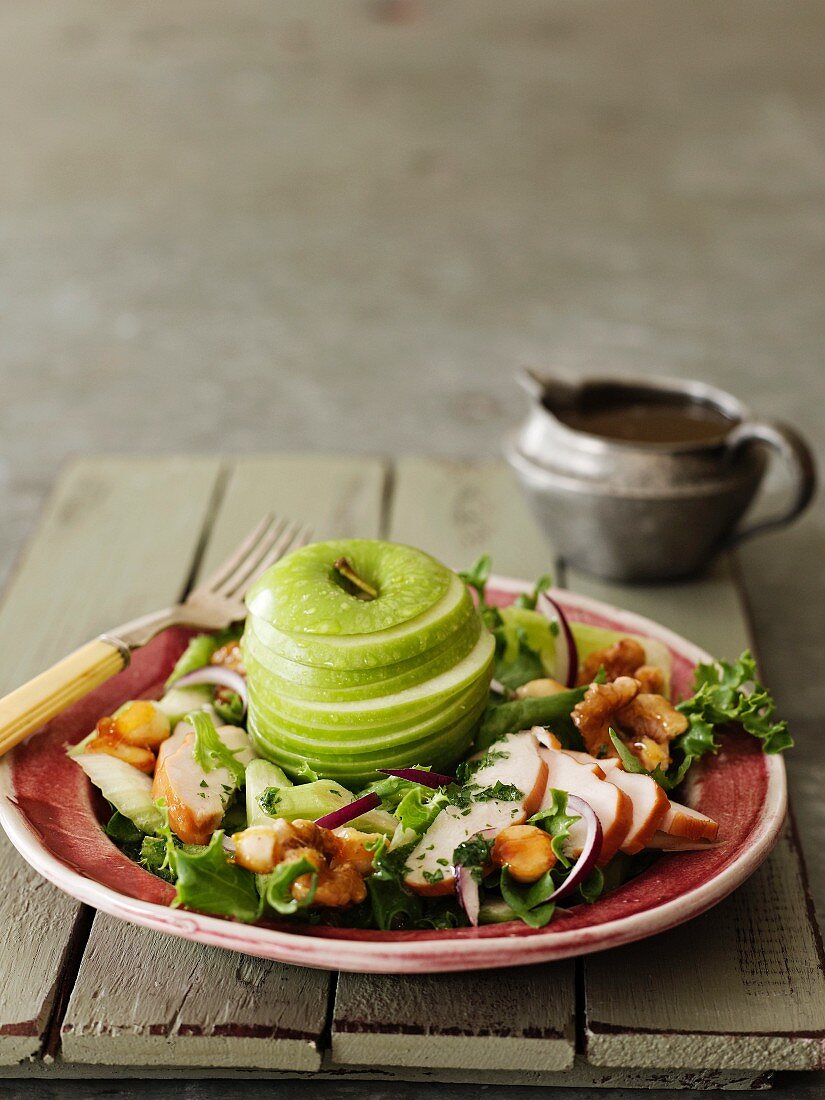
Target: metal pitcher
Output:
[(642, 510)]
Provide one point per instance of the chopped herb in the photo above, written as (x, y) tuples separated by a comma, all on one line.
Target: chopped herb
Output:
[(432, 877), (473, 854)]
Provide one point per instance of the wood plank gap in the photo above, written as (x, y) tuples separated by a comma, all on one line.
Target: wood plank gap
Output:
[(72, 960), (387, 496), (213, 507)]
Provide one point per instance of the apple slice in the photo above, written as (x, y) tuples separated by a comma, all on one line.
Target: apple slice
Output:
[(611, 805), (649, 802), (514, 760), (682, 821), (360, 651), (197, 799)]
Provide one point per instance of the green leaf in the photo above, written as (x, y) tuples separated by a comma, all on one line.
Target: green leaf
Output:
[(552, 711), (542, 584), (209, 882), (393, 906), (154, 857), (593, 886), (726, 693), (556, 821), (209, 751), (631, 763), (121, 829), (276, 887), (420, 807), (476, 577), (526, 666), (200, 651), (529, 902), (230, 709)]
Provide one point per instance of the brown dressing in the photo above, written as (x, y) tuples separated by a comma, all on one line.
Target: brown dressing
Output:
[(637, 418)]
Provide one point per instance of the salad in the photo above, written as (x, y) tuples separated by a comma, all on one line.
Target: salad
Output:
[(379, 746)]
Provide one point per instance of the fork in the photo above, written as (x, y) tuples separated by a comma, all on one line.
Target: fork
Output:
[(215, 603)]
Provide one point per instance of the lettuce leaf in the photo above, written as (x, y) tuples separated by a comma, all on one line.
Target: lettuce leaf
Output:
[(527, 665), (529, 902), (631, 763), (518, 714), (209, 751), (419, 807), (276, 887), (197, 654), (556, 821), (726, 693), (393, 905), (207, 881)]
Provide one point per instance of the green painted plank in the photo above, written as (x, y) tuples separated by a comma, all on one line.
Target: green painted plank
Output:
[(503, 1020), (741, 987), (459, 510), (215, 1008), (707, 611), (116, 540)]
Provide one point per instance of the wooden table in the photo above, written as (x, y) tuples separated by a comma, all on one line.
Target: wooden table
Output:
[(725, 1000)]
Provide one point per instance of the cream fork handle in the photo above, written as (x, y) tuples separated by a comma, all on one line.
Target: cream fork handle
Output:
[(29, 707)]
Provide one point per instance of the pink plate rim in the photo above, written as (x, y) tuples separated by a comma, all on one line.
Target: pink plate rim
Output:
[(431, 955)]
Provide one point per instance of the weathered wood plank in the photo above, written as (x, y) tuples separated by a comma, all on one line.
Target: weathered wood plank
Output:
[(213, 1008), (336, 1081), (458, 510), (740, 987), (743, 985), (142, 998), (98, 559), (518, 1019), (708, 611), (504, 1020), (340, 496)]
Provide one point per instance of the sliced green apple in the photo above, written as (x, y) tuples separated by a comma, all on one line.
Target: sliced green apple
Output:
[(308, 591), (338, 686), (389, 710), (360, 651)]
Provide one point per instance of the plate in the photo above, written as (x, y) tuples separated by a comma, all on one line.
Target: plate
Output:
[(50, 811)]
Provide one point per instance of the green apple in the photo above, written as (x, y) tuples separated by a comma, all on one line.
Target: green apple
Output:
[(359, 651), (440, 751), (393, 710), (322, 685), (363, 655), (304, 593)]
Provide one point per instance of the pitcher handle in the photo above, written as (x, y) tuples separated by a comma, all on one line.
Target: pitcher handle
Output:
[(792, 450)]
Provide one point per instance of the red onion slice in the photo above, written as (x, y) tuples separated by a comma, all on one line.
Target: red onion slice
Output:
[(567, 656), (215, 674), (590, 849), (349, 812), (466, 887), (419, 775)]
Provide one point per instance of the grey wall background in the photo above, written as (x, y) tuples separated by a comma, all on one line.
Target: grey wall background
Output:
[(345, 225)]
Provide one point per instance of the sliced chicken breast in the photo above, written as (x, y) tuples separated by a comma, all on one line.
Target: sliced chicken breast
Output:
[(197, 799)]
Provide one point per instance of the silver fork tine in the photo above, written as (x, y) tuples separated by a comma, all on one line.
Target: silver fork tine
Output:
[(302, 537), (271, 536), (226, 568), (250, 569)]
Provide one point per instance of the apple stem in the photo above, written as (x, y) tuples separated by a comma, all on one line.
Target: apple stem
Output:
[(364, 590)]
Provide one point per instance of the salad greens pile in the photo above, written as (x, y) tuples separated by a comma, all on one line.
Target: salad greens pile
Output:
[(206, 878)]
